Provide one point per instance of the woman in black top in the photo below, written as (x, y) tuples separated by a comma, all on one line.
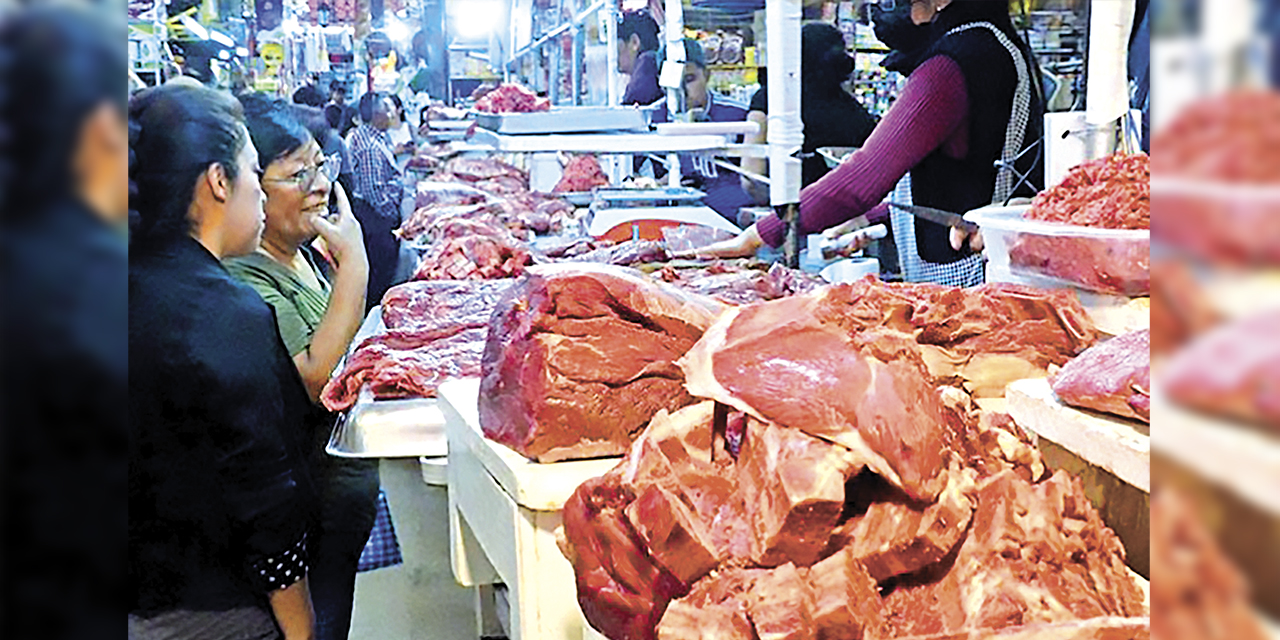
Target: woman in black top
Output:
[(220, 502), (831, 117)]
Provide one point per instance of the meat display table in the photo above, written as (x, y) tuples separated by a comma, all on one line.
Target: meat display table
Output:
[(504, 511)]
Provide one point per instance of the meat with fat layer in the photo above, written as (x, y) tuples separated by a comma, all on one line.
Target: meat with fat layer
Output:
[(437, 304), (406, 363), (581, 357), (473, 257), (1112, 376)]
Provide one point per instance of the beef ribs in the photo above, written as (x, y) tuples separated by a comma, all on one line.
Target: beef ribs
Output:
[(580, 357), (1113, 377), (1232, 371)]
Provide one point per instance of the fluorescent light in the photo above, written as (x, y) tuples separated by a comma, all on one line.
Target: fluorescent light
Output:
[(242, 52), (221, 38), (223, 55), (475, 19), (398, 31), (194, 27)]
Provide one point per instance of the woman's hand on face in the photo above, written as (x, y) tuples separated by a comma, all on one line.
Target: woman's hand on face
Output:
[(960, 238), (742, 246), (342, 236)]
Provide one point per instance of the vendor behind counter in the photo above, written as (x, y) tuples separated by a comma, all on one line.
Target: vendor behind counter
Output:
[(699, 170)]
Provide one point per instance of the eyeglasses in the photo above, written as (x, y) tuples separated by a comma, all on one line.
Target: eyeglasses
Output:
[(329, 167)]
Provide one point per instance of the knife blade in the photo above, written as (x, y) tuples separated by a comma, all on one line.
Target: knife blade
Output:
[(944, 218)]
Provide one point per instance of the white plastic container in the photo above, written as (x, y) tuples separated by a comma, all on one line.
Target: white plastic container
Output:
[(850, 270), (1108, 261)]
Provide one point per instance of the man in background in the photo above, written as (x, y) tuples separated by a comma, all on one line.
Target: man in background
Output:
[(379, 186)]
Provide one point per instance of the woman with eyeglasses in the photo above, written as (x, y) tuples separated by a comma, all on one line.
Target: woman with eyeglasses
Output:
[(966, 127), (221, 498), (317, 317)]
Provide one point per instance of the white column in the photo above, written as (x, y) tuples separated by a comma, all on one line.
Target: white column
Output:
[(786, 131)]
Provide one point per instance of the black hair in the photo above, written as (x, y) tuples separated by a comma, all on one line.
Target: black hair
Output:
[(176, 132), (693, 53), (313, 120), (274, 129), (60, 64), (309, 95), (367, 103), (641, 24), (824, 63), (395, 99)]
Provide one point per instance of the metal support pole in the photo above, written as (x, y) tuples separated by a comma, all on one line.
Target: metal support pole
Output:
[(579, 35)]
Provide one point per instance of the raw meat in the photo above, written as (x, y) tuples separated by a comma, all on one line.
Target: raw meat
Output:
[(869, 390), (1180, 308), (793, 486), (438, 221), (1232, 371), (624, 254), (1195, 588), (473, 257), (1116, 267), (430, 193), (582, 173), (1035, 554), (437, 304), (846, 599), (580, 357), (1108, 193), (511, 98), (1232, 138), (475, 170), (781, 606), (406, 363), (740, 285), (1112, 377)]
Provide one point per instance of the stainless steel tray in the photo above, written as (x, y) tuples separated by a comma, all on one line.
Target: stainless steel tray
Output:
[(390, 429), (566, 120), (649, 195)]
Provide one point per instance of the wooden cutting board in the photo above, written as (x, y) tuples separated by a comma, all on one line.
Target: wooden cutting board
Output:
[(1119, 445)]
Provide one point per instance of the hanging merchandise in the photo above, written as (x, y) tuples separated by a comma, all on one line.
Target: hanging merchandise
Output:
[(385, 76), (271, 60)]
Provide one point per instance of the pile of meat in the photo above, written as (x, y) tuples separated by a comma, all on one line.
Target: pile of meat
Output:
[(581, 356), (431, 156), (1113, 377), (581, 173), (1109, 193), (1209, 159), (475, 255), (1232, 371), (1196, 589), (503, 190), (511, 98), (838, 487), (435, 331), (735, 284)]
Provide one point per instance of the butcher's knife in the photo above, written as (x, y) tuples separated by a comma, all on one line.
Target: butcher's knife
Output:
[(944, 218)]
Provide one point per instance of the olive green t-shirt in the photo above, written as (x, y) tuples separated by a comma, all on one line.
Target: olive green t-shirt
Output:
[(299, 306)]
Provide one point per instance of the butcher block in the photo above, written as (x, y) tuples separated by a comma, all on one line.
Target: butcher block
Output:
[(504, 511)]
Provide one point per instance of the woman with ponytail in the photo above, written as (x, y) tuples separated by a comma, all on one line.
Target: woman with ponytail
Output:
[(220, 499), (967, 127)]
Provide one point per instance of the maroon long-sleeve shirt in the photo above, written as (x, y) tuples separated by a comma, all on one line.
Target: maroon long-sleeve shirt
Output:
[(931, 113)]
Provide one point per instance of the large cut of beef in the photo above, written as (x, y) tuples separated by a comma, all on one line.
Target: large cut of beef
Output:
[(435, 330), (623, 254), (580, 357), (1196, 589), (1231, 371), (476, 170), (429, 192), (856, 363), (511, 98), (1112, 376), (473, 257), (582, 173), (437, 221)]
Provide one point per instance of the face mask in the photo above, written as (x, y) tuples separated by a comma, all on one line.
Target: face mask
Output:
[(896, 30)]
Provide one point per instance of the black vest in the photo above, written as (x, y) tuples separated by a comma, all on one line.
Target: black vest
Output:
[(960, 185)]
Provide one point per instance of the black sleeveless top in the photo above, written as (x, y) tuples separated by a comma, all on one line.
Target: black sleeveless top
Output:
[(960, 185)]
